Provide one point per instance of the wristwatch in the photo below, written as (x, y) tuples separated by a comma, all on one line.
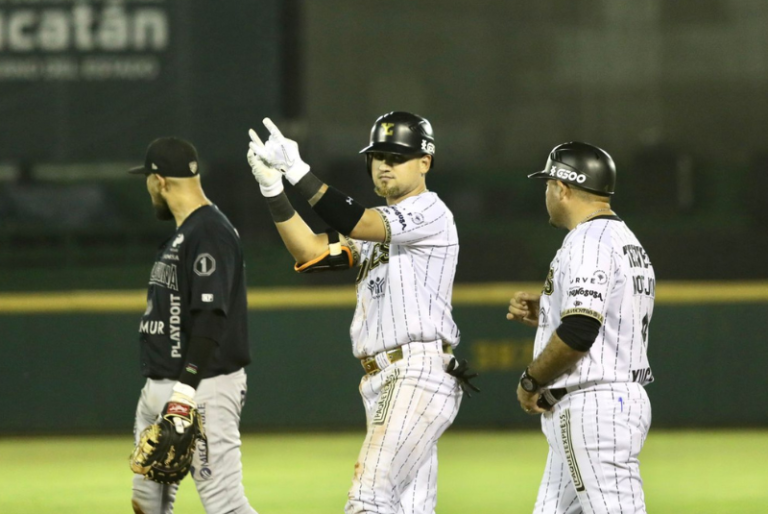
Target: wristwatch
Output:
[(528, 383)]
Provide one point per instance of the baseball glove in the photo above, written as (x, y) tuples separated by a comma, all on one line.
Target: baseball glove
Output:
[(164, 454)]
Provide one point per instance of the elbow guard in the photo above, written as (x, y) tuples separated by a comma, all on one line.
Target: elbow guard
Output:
[(336, 258)]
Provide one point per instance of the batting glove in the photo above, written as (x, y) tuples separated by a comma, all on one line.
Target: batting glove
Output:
[(280, 152), (270, 179), (463, 375), (178, 408)]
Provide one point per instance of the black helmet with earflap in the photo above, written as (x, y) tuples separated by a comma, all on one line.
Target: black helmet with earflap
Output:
[(401, 133), (581, 165)]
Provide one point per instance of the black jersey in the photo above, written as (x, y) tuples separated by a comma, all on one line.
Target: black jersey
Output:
[(199, 268)]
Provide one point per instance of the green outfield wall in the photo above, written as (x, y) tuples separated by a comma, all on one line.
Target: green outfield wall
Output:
[(70, 360)]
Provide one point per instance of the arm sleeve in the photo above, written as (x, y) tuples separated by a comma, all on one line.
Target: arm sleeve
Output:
[(424, 221), (198, 355), (579, 332)]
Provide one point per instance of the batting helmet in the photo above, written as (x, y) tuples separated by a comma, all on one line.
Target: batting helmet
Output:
[(402, 133), (581, 165)]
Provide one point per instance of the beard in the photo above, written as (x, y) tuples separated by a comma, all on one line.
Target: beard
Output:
[(162, 211), (387, 192)]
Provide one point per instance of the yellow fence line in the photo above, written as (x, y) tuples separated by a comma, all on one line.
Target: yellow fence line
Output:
[(283, 298)]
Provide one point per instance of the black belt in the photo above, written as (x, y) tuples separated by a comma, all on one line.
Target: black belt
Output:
[(549, 397)]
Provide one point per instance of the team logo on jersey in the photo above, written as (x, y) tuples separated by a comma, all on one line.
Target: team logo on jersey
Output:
[(176, 242), (416, 217), (379, 255), (164, 275), (573, 466), (385, 398), (376, 287), (549, 283), (205, 265)]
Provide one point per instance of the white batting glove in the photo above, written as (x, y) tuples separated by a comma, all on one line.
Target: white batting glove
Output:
[(270, 179), (177, 408), (280, 152)]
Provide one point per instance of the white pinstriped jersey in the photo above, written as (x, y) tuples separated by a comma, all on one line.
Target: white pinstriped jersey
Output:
[(405, 284), (603, 272)]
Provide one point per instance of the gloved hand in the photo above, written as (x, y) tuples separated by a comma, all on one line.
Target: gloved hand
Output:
[(270, 179), (463, 375), (179, 408), (166, 448), (279, 152)]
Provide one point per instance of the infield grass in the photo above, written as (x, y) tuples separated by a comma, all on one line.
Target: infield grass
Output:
[(711, 472)]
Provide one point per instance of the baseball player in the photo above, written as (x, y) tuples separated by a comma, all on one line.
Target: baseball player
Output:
[(402, 331), (590, 361), (194, 335)]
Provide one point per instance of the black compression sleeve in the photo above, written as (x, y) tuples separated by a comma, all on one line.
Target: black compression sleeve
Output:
[(210, 324), (339, 210), (308, 186), (280, 208), (198, 355), (579, 332)]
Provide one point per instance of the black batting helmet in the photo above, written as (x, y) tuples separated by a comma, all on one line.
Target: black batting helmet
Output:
[(581, 165), (402, 133)]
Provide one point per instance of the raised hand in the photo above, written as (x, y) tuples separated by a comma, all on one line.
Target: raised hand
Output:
[(280, 152), (270, 179)]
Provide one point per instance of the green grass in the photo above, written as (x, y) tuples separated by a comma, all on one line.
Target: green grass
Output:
[(715, 472)]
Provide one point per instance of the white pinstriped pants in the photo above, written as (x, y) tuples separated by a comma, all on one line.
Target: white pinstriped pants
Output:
[(408, 406), (595, 436)]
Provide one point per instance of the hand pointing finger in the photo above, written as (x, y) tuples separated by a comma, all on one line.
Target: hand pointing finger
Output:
[(273, 130)]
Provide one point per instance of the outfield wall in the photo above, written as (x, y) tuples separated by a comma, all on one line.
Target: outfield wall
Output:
[(70, 360)]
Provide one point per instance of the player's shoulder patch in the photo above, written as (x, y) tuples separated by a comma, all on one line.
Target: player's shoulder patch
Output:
[(205, 265)]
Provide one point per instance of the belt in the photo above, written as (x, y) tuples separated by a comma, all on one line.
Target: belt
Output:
[(549, 397), (371, 366)]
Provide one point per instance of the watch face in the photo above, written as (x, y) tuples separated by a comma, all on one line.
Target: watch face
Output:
[(527, 384)]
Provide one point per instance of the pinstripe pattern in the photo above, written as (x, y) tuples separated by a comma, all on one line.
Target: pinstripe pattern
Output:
[(606, 437), (404, 293), (404, 288), (592, 272), (597, 430), (397, 466)]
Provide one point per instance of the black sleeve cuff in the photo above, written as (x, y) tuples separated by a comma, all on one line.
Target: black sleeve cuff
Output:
[(579, 332)]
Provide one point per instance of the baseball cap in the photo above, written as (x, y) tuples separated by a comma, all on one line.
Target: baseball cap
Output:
[(169, 157)]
